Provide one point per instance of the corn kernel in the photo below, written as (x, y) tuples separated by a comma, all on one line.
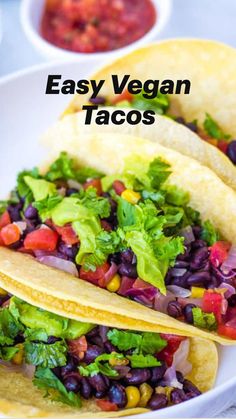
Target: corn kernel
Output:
[(114, 283), (146, 393), (197, 292), (133, 396), (18, 357), (131, 196), (164, 390), (3, 292)]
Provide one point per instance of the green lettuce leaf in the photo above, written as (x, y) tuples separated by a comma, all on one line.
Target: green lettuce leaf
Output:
[(9, 327), (176, 196), (46, 380), (45, 206), (87, 230), (158, 172), (7, 353), (46, 355), (40, 188), (159, 104), (209, 233), (106, 243), (36, 334)]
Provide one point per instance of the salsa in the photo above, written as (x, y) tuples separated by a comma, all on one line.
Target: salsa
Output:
[(96, 25)]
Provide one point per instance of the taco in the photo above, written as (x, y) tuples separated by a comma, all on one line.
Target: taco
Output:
[(157, 229), (209, 66), (52, 365)]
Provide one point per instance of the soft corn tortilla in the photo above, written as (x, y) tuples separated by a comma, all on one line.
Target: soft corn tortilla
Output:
[(209, 195), (168, 133), (19, 396), (210, 66)]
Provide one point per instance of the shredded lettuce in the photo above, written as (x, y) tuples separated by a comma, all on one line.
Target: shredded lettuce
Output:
[(40, 188), (209, 233), (212, 128)]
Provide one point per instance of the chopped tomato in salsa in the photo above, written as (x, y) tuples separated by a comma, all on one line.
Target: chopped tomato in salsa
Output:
[(96, 25)]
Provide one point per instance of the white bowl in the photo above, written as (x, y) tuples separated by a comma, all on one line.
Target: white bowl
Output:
[(26, 112), (31, 13)]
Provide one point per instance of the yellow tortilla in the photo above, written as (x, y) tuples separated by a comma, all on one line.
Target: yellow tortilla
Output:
[(18, 396), (210, 66), (168, 133)]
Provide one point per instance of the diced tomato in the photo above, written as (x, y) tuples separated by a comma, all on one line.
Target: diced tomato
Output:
[(94, 183), (219, 252), (1, 241), (125, 95), (212, 303), (26, 251), (10, 234), (77, 347), (228, 331), (118, 187), (140, 284), (107, 406), (222, 145), (96, 277), (67, 234), (41, 239), (105, 225), (173, 343), (4, 219)]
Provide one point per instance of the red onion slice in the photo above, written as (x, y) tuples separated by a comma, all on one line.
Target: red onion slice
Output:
[(170, 378), (21, 225), (180, 358), (179, 291), (161, 301), (230, 262), (110, 273), (230, 289), (62, 264)]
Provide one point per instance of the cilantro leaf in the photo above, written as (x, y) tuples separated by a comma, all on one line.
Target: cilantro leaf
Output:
[(152, 343), (98, 367), (212, 128), (36, 334), (176, 196), (97, 204), (45, 379), (46, 205), (143, 361), (124, 340), (209, 233), (46, 355), (158, 171), (204, 320), (9, 327), (7, 353)]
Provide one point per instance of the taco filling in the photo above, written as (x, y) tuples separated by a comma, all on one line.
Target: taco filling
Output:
[(162, 105), (73, 361), (132, 234)]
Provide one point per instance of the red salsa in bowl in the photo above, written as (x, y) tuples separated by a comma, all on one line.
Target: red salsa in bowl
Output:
[(90, 26)]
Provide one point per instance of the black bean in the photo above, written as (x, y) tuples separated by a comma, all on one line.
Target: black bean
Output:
[(181, 281), (52, 339), (157, 401), (174, 309), (72, 383), (192, 126), (177, 396), (137, 376), (103, 330), (198, 243), (188, 313), (31, 212), (188, 386), (93, 332), (180, 377), (197, 230), (199, 278), (157, 374), (68, 251), (15, 212), (69, 367), (99, 100), (98, 383), (91, 354), (128, 270), (3, 298), (85, 388), (232, 300), (181, 264), (180, 120), (115, 258), (117, 395), (97, 340), (127, 256), (199, 257), (109, 347), (185, 255), (17, 244), (71, 191), (56, 370), (231, 151), (190, 395)]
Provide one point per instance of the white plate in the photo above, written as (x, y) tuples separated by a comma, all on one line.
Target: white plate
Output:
[(25, 114)]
